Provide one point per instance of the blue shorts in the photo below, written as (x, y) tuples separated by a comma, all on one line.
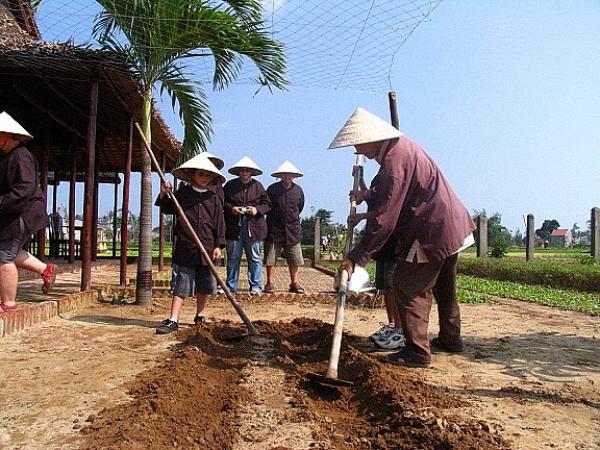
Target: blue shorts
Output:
[(187, 281), (384, 275), (9, 248)]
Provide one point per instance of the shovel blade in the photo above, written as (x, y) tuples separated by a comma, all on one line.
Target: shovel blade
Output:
[(328, 381)]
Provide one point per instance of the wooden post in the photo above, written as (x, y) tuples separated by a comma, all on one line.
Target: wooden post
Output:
[(41, 235), (114, 230), (125, 207), (95, 210), (55, 191), (529, 237), (317, 242), (394, 110), (161, 227), (482, 236), (72, 193), (595, 222), (88, 203)]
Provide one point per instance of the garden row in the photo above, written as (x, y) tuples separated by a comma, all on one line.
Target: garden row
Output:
[(580, 277)]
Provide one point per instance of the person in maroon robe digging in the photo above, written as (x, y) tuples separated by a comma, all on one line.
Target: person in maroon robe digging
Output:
[(283, 226), (22, 212), (417, 208)]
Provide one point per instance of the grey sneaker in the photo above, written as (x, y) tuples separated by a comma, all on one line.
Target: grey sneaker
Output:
[(383, 331), (391, 341), (167, 326)]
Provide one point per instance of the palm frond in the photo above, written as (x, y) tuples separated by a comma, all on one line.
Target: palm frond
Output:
[(159, 34), (190, 101), (246, 10)]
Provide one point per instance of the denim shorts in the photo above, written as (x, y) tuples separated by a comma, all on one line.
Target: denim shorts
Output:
[(187, 281), (9, 248), (384, 275)]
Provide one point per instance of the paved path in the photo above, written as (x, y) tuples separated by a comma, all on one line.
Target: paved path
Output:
[(68, 281)]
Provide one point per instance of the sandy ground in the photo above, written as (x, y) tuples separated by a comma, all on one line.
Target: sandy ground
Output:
[(531, 373)]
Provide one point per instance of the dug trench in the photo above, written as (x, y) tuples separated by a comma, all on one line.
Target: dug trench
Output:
[(215, 391)]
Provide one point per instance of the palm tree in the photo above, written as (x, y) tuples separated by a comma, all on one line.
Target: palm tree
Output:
[(160, 36)]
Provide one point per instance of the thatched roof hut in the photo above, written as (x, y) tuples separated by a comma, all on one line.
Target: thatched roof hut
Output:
[(79, 104), (46, 87)]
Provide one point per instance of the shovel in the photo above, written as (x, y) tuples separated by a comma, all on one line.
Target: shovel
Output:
[(192, 234), (331, 376)]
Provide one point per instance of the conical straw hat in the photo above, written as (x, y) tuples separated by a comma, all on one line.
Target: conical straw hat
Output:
[(10, 125), (218, 162), (198, 162), (363, 127), (245, 163), (287, 167)]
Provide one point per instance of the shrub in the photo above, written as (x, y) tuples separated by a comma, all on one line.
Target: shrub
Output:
[(499, 249)]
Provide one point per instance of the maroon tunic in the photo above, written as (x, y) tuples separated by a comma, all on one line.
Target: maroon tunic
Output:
[(204, 210), (388, 251), (283, 221), (250, 194), (20, 194), (414, 201)]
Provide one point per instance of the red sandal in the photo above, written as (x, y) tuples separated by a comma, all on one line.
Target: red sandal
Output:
[(49, 277), (7, 308)]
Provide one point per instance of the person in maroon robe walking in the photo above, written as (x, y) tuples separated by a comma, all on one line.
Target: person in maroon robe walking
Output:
[(429, 225), (22, 212), (283, 224)]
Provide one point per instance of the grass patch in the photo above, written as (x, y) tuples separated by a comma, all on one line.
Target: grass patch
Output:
[(560, 298), (581, 277), (471, 289), (465, 296)]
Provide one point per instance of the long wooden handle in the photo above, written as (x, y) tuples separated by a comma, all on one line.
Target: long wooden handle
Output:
[(356, 174), (192, 234), (338, 327)]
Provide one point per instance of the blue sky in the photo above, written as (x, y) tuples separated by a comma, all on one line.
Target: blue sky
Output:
[(503, 95)]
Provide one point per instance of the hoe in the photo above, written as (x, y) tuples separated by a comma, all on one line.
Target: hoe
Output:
[(331, 376)]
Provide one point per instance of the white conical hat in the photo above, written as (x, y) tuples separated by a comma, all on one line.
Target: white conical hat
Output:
[(245, 163), (218, 162), (363, 127), (10, 125), (200, 162), (287, 167)]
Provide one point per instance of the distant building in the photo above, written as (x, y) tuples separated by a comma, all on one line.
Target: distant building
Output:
[(561, 238)]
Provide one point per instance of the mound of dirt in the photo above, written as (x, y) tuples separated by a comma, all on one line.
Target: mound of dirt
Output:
[(195, 398)]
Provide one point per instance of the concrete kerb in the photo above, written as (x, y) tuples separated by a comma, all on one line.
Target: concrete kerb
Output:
[(29, 314)]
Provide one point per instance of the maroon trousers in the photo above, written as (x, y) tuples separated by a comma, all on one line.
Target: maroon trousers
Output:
[(415, 285)]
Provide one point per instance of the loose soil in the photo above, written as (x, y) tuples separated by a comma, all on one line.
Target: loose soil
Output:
[(101, 379)]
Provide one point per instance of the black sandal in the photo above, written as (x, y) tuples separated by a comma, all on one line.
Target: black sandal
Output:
[(296, 288)]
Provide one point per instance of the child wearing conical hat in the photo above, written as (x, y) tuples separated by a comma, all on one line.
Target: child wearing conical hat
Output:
[(203, 207)]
